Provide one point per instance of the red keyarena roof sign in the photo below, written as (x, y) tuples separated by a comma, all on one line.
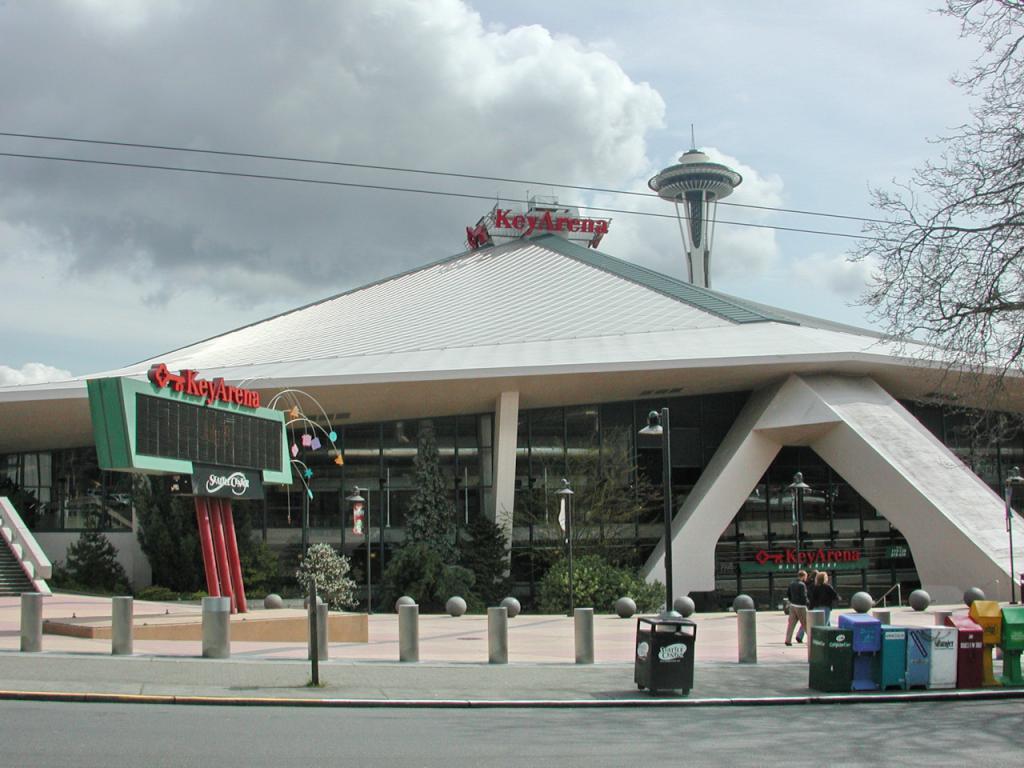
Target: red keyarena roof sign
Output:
[(528, 223)]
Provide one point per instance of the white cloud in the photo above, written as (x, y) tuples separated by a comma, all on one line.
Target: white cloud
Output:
[(31, 373), (834, 273), (393, 82)]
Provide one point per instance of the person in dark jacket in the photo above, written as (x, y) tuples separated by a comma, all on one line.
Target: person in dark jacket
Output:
[(811, 577), (822, 596), (797, 594)]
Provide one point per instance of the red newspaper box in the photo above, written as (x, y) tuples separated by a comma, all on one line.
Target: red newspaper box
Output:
[(970, 651)]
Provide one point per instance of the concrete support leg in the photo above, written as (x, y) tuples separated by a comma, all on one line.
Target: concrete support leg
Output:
[(746, 635), (583, 625), (216, 627), (408, 633), (883, 615), (121, 619), (497, 635), (31, 622)]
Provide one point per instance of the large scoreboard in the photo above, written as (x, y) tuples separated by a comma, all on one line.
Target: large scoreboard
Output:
[(177, 423)]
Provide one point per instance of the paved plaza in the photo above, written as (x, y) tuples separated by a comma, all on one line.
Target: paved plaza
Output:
[(453, 664)]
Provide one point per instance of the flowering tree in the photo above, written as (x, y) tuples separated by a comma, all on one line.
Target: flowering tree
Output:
[(330, 570)]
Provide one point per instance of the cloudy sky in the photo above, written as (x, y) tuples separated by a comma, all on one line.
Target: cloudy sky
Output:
[(101, 265)]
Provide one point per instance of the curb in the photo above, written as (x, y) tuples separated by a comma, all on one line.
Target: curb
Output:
[(250, 701)]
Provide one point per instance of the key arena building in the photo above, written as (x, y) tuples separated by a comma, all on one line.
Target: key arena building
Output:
[(535, 358)]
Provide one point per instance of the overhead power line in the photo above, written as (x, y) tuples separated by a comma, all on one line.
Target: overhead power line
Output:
[(401, 169), (389, 188)]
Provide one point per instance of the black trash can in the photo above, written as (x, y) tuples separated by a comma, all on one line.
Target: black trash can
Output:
[(664, 654)]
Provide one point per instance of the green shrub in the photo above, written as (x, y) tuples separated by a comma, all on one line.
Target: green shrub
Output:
[(330, 570), (596, 584), (92, 564), (418, 571), (261, 569), (157, 594), (483, 550)]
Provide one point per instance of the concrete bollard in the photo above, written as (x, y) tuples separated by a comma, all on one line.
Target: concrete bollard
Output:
[(746, 635), (322, 640), (941, 616), (31, 622), (497, 635), (814, 619), (121, 634), (408, 633), (216, 627), (883, 615), (583, 626)]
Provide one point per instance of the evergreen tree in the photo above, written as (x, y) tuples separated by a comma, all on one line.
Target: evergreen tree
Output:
[(431, 516), (484, 551), (169, 537), (92, 564)]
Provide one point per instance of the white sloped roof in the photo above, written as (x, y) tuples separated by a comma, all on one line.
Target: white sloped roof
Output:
[(528, 307), (514, 294)]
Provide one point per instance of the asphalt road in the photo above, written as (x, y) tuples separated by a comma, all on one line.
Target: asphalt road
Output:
[(33, 735)]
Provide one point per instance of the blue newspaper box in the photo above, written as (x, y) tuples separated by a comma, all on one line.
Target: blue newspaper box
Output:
[(866, 632), (919, 656)]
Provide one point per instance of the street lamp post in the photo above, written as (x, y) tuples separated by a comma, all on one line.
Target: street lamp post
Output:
[(658, 424), (361, 519), (1013, 480), (565, 497), (797, 488)]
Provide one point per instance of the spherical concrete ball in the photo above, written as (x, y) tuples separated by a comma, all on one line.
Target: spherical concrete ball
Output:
[(455, 606), (512, 605), (742, 603), (973, 594), (920, 600), (862, 602), (684, 605), (272, 601), (403, 600), (625, 607), (305, 602)]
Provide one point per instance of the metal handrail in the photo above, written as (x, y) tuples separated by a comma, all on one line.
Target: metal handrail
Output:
[(899, 595)]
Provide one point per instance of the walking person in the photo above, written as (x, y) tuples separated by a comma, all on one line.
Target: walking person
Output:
[(822, 595), (797, 594), (810, 601)]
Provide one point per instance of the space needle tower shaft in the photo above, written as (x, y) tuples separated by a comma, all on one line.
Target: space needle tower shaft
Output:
[(695, 185)]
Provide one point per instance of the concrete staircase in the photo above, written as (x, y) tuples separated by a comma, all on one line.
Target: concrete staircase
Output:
[(13, 579), (24, 566)]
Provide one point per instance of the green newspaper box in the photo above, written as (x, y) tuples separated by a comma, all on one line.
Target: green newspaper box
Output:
[(831, 667), (1012, 644), (894, 658)]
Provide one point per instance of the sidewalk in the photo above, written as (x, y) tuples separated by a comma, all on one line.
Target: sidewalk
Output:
[(453, 670)]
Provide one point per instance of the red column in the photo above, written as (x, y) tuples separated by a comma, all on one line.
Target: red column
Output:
[(222, 552), (234, 562), (206, 544)]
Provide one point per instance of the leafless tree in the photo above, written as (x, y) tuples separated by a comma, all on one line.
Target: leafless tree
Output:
[(948, 259)]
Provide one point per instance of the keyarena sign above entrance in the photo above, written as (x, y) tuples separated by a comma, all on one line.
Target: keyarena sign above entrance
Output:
[(791, 560)]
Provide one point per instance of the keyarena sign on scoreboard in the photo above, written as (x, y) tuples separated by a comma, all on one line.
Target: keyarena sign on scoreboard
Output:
[(175, 423)]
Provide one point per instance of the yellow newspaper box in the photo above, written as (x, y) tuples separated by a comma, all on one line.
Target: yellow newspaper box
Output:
[(988, 614)]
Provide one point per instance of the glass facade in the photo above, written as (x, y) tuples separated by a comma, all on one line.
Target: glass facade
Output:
[(71, 491), (615, 474)]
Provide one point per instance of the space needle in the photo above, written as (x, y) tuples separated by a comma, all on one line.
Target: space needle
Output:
[(698, 184)]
